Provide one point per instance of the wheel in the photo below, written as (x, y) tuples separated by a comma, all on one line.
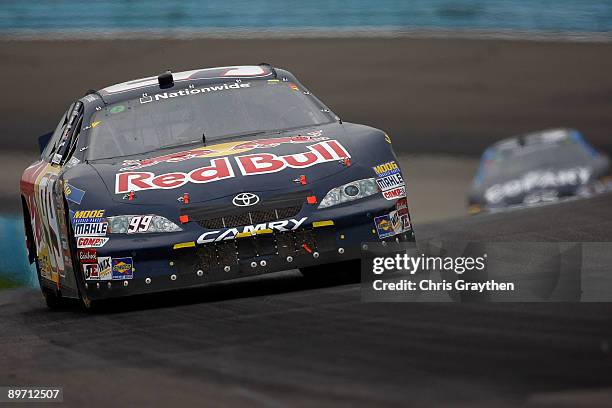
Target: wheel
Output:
[(52, 299)]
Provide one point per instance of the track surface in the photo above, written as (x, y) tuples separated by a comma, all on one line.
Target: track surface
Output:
[(279, 341)]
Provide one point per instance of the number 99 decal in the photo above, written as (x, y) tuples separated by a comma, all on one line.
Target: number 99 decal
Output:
[(139, 224)]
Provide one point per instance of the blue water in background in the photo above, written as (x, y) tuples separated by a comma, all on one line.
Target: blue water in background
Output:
[(523, 15), (14, 264)]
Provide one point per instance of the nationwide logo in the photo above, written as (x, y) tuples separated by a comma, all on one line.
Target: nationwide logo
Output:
[(193, 91), (91, 242), (220, 168), (223, 149), (249, 230)]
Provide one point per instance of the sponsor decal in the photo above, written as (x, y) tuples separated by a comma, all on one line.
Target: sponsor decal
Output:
[(390, 181), (402, 206), (221, 168), (231, 233), (406, 222), (223, 149), (384, 229), (122, 268), (117, 109), (93, 229), (192, 91), (88, 255), (395, 193), (537, 180), (88, 216), (91, 242), (396, 222), (90, 270), (386, 169), (105, 267)]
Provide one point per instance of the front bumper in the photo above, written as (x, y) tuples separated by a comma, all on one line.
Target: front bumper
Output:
[(160, 265)]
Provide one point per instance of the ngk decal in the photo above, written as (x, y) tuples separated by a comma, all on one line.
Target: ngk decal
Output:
[(221, 168), (280, 226)]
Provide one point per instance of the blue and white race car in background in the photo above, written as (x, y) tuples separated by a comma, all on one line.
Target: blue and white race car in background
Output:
[(538, 168)]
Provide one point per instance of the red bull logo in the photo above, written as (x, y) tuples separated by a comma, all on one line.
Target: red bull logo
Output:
[(223, 149), (221, 168)]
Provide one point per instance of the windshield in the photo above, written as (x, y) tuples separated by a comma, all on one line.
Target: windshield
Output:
[(196, 114), (511, 163)]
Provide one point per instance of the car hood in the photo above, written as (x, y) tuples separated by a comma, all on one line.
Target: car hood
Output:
[(251, 164)]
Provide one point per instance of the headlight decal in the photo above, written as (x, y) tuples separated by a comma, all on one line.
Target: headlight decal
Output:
[(140, 224), (356, 190)]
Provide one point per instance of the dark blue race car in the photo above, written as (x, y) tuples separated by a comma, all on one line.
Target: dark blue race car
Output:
[(208, 175), (538, 168)]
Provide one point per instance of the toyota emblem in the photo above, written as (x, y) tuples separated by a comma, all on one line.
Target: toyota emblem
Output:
[(245, 199)]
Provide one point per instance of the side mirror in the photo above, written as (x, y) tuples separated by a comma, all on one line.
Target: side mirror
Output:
[(43, 141)]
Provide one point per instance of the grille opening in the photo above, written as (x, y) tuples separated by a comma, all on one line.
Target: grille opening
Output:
[(250, 217)]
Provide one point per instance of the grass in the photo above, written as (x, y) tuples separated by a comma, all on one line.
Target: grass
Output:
[(7, 284)]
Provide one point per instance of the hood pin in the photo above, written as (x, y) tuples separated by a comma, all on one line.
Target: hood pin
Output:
[(301, 180), (184, 198)]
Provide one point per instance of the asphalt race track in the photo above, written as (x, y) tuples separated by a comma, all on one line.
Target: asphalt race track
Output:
[(281, 341)]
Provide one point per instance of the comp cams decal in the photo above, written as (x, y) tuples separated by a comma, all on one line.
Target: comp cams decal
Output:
[(390, 181), (91, 242), (221, 168), (233, 233)]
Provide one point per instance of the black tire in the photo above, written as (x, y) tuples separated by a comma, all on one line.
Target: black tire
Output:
[(52, 299)]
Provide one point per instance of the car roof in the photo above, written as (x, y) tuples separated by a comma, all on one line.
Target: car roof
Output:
[(151, 85)]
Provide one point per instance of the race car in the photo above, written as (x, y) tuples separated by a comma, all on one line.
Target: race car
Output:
[(538, 168), (184, 179)]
